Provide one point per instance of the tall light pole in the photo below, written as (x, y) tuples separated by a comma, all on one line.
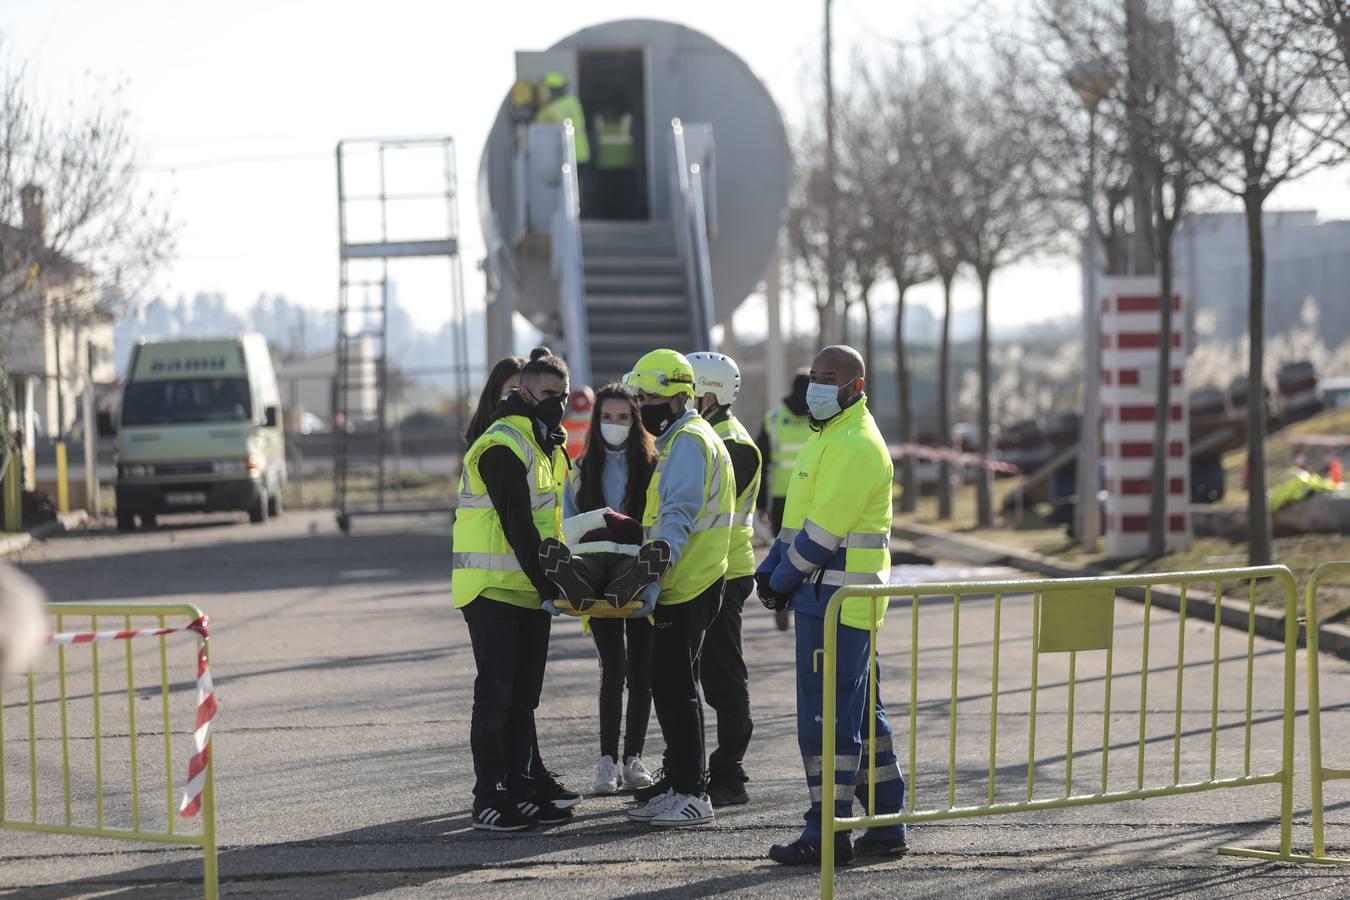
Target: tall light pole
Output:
[(830, 325), (1092, 81)]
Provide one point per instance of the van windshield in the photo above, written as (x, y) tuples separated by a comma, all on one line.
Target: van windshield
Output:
[(186, 401)]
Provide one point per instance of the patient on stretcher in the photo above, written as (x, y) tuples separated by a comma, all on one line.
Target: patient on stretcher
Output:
[(602, 557)]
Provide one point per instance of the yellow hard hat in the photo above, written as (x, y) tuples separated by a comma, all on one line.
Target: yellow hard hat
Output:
[(663, 373), (555, 80)]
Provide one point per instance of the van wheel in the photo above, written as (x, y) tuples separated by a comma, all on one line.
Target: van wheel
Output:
[(257, 513), (149, 520), (125, 521), (274, 508)]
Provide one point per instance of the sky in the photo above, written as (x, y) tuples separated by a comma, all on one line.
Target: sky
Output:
[(239, 105)]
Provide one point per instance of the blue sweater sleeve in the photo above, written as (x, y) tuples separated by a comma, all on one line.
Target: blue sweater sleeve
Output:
[(681, 492), (569, 500)]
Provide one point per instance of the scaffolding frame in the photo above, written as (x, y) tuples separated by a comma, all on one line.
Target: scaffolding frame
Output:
[(357, 322)]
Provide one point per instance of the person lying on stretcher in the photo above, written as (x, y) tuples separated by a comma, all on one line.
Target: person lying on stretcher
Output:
[(604, 558)]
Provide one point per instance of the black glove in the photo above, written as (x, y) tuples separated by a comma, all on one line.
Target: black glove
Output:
[(768, 596)]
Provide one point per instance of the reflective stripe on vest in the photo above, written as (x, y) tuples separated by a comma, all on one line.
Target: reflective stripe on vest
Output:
[(741, 553), (493, 562)]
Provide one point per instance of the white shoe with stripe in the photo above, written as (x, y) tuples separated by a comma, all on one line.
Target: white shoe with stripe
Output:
[(684, 809)]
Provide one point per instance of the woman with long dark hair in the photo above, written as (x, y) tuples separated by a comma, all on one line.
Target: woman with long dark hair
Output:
[(502, 380), (614, 471)]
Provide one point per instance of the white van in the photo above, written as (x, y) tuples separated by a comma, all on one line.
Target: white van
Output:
[(200, 430)]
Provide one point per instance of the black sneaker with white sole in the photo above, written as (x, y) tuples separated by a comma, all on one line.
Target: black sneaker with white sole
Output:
[(653, 559), (556, 561), (547, 787), (660, 784), (544, 812), (501, 815)]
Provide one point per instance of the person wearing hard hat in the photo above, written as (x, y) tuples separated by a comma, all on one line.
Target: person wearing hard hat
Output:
[(785, 431), (689, 506), (726, 683), (836, 531), (509, 497), (562, 105)]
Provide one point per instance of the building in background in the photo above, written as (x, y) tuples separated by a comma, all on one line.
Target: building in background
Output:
[(1304, 258), (309, 386)]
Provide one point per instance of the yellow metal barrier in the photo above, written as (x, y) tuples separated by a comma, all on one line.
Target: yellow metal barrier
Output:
[(1320, 773), (1073, 617), (135, 825), (62, 479)]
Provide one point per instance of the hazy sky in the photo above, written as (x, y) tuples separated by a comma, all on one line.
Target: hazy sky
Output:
[(239, 106)]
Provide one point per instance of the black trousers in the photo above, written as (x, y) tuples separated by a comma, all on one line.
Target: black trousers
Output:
[(777, 506), (726, 683), (675, 655), (510, 649), (619, 664)]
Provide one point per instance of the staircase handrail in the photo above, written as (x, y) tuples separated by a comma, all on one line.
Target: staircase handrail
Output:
[(565, 262), (691, 235)]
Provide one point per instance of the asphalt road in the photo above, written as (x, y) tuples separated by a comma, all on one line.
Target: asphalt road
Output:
[(343, 769)]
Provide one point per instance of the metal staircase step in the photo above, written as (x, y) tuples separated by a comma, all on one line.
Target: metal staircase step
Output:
[(633, 283)]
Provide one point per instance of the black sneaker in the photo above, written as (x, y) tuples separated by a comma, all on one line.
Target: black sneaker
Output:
[(653, 559), (500, 815), (660, 784), (544, 812), (549, 789), (871, 844), (727, 792), (556, 561), (800, 853)]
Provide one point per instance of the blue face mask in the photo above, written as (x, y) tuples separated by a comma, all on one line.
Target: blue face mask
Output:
[(823, 401)]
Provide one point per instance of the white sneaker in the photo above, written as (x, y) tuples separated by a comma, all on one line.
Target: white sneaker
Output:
[(684, 809), (606, 776), (654, 807), (635, 774)]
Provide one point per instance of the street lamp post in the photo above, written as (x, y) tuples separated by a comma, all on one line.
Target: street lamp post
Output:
[(1092, 81)]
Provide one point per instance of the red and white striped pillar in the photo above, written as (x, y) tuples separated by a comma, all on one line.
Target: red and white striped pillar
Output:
[(1131, 330)]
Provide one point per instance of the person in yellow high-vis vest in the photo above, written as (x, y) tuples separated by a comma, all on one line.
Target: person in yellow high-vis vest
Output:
[(562, 105), (725, 680), (836, 532), (509, 500), (780, 440), (690, 505)]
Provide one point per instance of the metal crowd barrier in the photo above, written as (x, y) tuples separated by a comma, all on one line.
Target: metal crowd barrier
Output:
[(1073, 617), (1320, 773), (122, 807)]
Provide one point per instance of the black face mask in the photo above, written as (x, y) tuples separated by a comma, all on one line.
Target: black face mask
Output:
[(657, 417), (549, 412)]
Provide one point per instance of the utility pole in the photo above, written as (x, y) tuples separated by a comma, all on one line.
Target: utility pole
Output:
[(830, 325)]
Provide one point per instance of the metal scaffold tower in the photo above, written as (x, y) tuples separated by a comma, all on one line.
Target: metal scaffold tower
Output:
[(397, 201)]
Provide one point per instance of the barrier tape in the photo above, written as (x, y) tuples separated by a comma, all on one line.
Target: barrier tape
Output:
[(206, 698), (961, 458)]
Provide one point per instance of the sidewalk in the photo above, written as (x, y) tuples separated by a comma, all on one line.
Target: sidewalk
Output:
[(64, 522)]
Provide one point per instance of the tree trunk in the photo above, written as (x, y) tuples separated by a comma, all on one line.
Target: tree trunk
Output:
[(1138, 42), (909, 485), (865, 298), (1259, 550), (1162, 409), (984, 500), (944, 425)]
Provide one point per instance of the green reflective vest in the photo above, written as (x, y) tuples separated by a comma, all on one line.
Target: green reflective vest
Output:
[(614, 139), (841, 496), (560, 110), (704, 560), (741, 555), (483, 562), (787, 432)]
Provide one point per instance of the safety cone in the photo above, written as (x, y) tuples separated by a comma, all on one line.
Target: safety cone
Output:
[(1334, 470)]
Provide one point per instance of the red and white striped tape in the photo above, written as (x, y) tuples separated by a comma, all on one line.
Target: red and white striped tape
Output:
[(951, 454), (206, 698)]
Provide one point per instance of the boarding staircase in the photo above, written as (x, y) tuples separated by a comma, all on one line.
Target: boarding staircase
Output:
[(636, 294)]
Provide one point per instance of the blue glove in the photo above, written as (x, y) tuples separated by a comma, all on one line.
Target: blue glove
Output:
[(648, 597), (551, 608)]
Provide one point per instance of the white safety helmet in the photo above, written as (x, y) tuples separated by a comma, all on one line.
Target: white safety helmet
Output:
[(716, 374)]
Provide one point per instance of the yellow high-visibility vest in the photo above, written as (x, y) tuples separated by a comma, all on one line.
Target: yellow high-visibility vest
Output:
[(841, 495), (741, 555), (560, 110), (614, 138), (788, 433), (483, 562), (704, 559)]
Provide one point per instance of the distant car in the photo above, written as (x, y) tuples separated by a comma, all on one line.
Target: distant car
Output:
[(312, 424), (1335, 392)]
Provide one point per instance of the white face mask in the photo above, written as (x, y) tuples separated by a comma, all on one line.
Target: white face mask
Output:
[(823, 401), (615, 435)]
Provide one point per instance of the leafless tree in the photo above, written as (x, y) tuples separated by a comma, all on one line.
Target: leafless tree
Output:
[(807, 237), (1266, 102), (75, 169)]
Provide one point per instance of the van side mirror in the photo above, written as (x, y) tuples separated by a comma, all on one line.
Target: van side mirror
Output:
[(271, 415), (106, 427)]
